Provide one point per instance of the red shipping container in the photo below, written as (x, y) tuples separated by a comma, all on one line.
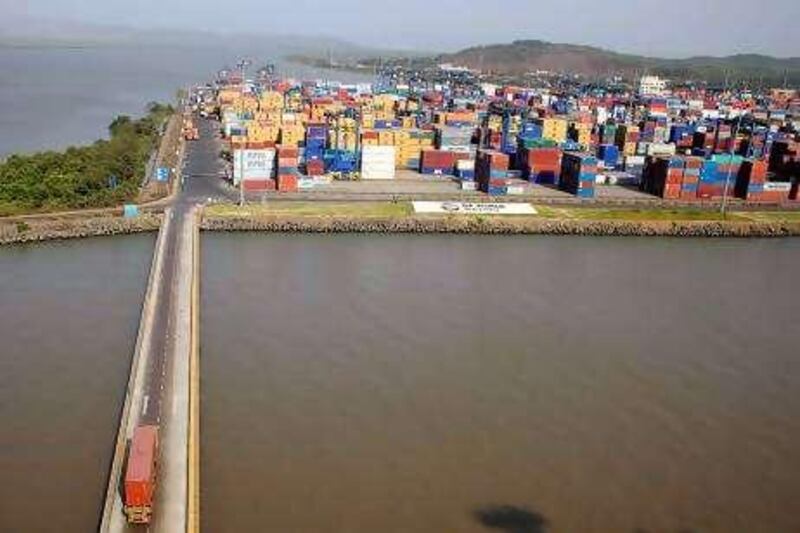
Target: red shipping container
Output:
[(287, 183), (258, 185), (315, 167), (774, 197), (140, 475), (694, 162), (288, 152), (708, 190), (674, 176), (672, 191), (688, 196)]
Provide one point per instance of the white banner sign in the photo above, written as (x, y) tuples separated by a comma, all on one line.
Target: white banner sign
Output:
[(468, 208), (777, 186), (257, 164)]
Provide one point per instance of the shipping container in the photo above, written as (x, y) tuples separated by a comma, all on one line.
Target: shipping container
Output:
[(141, 474)]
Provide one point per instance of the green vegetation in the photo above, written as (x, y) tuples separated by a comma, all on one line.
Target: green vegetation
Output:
[(770, 216), (366, 210), (683, 215), (315, 209), (104, 174)]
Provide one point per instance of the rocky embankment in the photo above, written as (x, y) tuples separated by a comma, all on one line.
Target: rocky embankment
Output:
[(498, 226), (25, 229)]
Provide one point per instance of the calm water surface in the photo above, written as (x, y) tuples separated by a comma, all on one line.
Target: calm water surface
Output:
[(69, 314), (408, 383), (54, 98)]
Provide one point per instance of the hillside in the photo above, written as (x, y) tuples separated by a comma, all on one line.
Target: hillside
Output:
[(520, 57)]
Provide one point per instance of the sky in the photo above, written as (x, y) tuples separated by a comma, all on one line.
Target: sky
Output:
[(673, 28)]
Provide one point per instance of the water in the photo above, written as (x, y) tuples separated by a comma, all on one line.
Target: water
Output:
[(53, 98), (70, 314), (409, 383)]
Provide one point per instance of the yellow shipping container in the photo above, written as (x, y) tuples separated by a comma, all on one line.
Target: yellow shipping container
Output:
[(386, 137)]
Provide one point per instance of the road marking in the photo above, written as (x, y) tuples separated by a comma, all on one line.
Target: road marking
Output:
[(145, 404)]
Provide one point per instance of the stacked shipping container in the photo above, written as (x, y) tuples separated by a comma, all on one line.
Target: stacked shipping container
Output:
[(578, 174), (491, 172)]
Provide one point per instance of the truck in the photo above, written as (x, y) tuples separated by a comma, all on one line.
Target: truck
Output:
[(190, 130), (141, 475)]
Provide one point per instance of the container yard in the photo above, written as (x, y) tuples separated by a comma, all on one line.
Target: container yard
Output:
[(688, 146)]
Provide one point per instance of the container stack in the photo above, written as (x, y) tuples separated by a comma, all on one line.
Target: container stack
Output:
[(316, 137), (410, 144), (751, 179), (539, 164), (607, 134), (634, 164), (663, 177), (378, 163), (530, 131), (440, 162), (581, 133), (343, 135), (703, 143), (554, 129), (783, 153), (491, 172), (292, 134), (254, 169), (777, 192), (627, 139), (681, 135), (455, 139), (608, 156), (691, 177), (288, 173), (465, 170), (578, 174), (718, 176)]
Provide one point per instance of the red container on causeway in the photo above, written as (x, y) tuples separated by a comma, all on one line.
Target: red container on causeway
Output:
[(140, 474)]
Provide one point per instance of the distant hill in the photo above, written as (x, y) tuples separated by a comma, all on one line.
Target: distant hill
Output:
[(521, 57)]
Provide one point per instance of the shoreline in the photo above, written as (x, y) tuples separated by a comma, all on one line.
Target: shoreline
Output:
[(48, 228), (496, 226), (42, 229)]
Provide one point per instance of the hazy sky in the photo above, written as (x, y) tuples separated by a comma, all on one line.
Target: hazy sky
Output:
[(657, 27)]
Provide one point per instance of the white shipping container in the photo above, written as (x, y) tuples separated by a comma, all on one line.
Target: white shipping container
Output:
[(253, 164), (515, 190), (661, 149), (465, 164), (469, 186), (634, 160), (777, 186), (378, 162)]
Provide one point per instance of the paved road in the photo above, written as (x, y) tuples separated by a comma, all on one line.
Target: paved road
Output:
[(162, 395)]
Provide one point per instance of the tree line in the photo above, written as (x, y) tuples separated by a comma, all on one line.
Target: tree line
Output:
[(103, 174)]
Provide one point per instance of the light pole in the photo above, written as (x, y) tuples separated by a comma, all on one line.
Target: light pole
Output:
[(243, 64)]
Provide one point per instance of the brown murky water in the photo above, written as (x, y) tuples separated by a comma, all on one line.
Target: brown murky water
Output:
[(432, 384), (69, 314)]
